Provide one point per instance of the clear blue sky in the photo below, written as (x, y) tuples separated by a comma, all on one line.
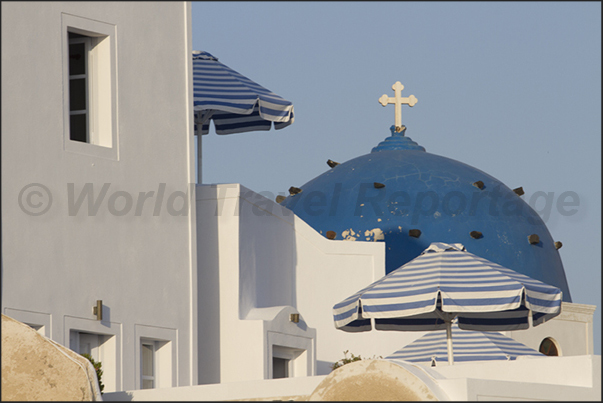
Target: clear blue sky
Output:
[(511, 88)]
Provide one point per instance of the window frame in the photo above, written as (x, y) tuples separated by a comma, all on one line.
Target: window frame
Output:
[(165, 341), (77, 337), (39, 321), (144, 377), (295, 358), (102, 138), (299, 350), (110, 352), (289, 355)]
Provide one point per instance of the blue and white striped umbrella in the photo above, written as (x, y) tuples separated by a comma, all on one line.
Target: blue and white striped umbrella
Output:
[(447, 282), (235, 103), (469, 345)]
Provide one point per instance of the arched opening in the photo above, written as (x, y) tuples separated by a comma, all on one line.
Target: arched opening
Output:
[(549, 347)]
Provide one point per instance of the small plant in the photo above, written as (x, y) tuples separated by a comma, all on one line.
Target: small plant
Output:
[(345, 360), (99, 372)]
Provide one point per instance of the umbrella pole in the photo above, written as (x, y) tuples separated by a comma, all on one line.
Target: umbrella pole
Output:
[(199, 156), (205, 116), (449, 341)]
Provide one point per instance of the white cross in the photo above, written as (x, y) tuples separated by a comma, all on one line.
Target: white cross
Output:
[(397, 100)]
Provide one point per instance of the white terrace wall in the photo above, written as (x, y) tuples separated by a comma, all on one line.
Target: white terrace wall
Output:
[(135, 253), (575, 378)]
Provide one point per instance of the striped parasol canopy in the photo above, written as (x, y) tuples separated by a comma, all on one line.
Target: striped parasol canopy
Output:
[(469, 345), (447, 282), (235, 103)]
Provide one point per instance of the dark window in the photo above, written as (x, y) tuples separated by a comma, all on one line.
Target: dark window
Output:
[(280, 368), (549, 347), (79, 115)]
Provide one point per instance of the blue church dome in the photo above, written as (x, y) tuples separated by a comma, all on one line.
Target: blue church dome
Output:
[(408, 198)]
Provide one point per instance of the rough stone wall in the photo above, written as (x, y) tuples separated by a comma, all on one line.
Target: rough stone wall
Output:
[(36, 368)]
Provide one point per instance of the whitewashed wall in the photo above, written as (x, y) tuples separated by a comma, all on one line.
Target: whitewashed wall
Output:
[(575, 378), (255, 254), (572, 331), (56, 265)]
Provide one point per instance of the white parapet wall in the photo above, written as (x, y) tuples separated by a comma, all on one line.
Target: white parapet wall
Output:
[(268, 390), (576, 378)]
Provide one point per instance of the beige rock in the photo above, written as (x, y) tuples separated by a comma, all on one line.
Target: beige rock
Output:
[(37, 368), (372, 380)]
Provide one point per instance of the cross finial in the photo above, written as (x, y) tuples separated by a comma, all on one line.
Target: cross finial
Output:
[(398, 101)]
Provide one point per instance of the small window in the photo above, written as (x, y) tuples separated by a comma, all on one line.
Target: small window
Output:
[(288, 362), (89, 86), (147, 355), (103, 348), (156, 357), (89, 94), (87, 343), (549, 347)]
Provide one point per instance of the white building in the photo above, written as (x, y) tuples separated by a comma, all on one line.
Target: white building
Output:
[(131, 254), (195, 285)]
